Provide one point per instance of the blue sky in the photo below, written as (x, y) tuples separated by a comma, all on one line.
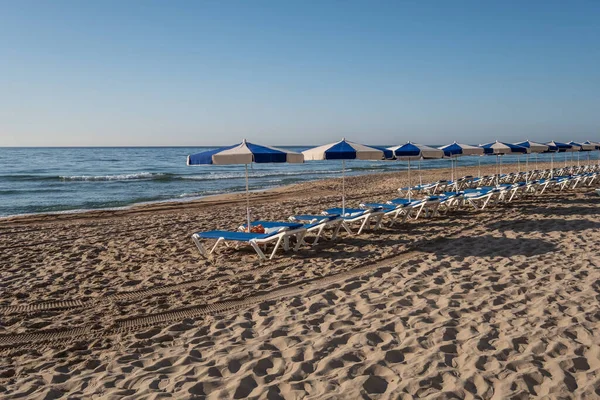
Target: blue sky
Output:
[(297, 72)]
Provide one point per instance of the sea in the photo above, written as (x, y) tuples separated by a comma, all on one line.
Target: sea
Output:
[(59, 180)]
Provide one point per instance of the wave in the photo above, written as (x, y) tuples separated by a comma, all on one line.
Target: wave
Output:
[(120, 177)]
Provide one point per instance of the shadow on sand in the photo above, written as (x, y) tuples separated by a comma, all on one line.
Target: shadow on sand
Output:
[(568, 210), (488, 246), (544, 225)]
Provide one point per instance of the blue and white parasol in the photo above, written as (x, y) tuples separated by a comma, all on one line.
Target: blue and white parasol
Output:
[(587, 147), (535, 148), (596, 146), (414, 151), (245, 153), (455, 150), (559, 147), (343, 150), (501, 148)]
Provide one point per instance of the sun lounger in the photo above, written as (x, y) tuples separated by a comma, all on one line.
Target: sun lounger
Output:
[(395, 211), (480, 198), (363, 216), (279, 235), (450, 201), (414, 208), (318, 224)]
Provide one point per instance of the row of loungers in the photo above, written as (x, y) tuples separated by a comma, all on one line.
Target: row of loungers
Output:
[(433, 201)]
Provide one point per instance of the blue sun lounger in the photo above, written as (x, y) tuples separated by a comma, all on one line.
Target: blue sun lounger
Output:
[(397, 209), (415, 207), (350, 215), (278, 234), (480, 198), (319, 223)]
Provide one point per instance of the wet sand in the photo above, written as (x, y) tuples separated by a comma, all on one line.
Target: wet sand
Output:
[(500, 303)]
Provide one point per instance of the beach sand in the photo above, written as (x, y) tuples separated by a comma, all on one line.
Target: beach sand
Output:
[(493, 304)]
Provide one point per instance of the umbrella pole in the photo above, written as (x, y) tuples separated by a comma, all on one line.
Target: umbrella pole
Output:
[(420, 177), (519, 162), (497, 169), (588, 161), (551, 165), (343, 187), (527, 168), (247, 200), (409, 186), (456, 182)]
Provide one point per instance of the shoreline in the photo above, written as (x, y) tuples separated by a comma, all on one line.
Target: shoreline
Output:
[(223, 198)]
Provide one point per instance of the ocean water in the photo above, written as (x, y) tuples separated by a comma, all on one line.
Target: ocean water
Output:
[(42, 180)]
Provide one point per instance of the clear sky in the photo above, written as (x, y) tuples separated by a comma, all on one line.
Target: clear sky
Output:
[(297, 72)]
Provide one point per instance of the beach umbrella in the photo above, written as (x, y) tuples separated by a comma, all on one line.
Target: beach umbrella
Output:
[(560, 148), (414, 151), (587, 147), (455, 150), (500, 148), (555, 147), (535, 148), (387, 153), (245, 153), (343, 150), (596, 146), (574, 148)]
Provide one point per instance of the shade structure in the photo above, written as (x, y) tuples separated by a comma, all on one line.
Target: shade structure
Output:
[(533, 147), (387, 153), (555, 147), (583, 146), (501, 148), (343, 150), (560, 147), (455, 150), (459, 149), (596, 145), (587, 147), (415, 151), (245, 153)]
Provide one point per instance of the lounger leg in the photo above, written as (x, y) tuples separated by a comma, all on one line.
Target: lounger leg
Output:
[(319, 233), (200, 247), (256, 248), (277, 244), (378, 221), (487, 200), (286, 242), (217, 243), (420, 210), (365, 222), (394, 216), (300, 240), (435, 209), (347, 228), (336, 231)]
